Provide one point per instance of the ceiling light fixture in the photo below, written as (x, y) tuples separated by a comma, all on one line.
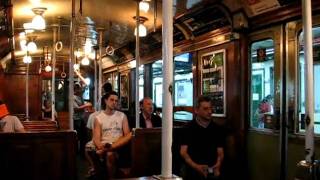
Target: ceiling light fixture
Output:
[(38, 21), (32, 46), (27, 59), (142, 28), (85, 61), (144, 5), (48, 68)]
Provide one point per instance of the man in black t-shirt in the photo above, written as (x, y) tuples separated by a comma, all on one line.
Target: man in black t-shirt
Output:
[(202, 144)]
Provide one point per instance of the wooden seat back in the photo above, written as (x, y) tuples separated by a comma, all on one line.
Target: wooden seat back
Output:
[(38, 155), (146, 152), (40, 126)]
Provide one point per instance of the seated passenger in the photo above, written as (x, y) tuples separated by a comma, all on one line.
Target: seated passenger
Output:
[(202, 145), (147, 118), (9, 123), (47, 110), (111, 131)]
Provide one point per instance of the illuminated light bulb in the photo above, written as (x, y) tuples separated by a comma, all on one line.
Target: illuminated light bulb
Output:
[(144, 6), (85, 61), (38, 22), (27, 59), (132, 64), (22, 35), (76, 67), (32, 47), (48, 68), (142, 31)]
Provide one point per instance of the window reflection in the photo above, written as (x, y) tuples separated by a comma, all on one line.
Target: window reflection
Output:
[(262, 84), (183, 84), (302, 84)]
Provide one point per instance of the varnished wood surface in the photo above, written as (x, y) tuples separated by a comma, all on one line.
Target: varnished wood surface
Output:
[(38, 156)]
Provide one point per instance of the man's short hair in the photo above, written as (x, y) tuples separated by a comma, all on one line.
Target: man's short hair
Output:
[(107, 87), (106, 96), (77, 86), (201, 99), (142, 100)]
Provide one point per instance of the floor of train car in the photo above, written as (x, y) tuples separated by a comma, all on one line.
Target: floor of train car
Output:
[(82, 168)]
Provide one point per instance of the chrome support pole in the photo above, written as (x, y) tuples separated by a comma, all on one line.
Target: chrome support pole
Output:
[(27, 93), (72, 60), (100, 67), (53, 84), (167, 119), (308, 54), (137, 66)]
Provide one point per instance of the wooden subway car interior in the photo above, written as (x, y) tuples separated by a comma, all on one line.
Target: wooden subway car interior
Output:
[(247, 56)]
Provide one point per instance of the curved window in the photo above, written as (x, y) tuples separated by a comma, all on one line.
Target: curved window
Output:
[(316, 80), (262, 84)]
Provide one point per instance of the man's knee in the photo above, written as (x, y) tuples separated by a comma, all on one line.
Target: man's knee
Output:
[(111, 156)]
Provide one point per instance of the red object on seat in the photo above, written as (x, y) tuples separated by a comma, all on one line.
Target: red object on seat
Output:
[(3, 110)]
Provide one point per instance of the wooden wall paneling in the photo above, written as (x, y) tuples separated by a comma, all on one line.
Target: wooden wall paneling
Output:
[(14, 94), (232, 84)]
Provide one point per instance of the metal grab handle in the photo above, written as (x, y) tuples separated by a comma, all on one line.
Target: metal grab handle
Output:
[(59, 46)]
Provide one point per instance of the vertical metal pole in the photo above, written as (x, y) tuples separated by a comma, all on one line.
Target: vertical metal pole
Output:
[(100, 67), (283, 109), (72, 59), (167, 56), (27, 93), (95, 81), (137, 66), (53, 84), (308, 50)]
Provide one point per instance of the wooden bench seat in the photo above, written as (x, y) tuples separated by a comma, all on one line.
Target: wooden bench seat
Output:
[(40, 126), (38, 155)]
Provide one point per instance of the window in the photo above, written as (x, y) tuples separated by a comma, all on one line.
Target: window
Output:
[(157, 83), (302, 84), (141, 82), (262, 83), (183, 79)]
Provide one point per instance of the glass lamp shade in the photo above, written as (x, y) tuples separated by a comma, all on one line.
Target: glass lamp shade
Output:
[(144, 6), (142, 31), (38, 22), (48, 68), (85, 61), (27, 59), (32, 47)]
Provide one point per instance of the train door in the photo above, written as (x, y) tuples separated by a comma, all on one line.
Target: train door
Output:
[(263, 139), (295, 82)]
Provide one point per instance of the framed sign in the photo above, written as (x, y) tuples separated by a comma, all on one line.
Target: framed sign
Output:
[(213, 79), (124, 91)]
